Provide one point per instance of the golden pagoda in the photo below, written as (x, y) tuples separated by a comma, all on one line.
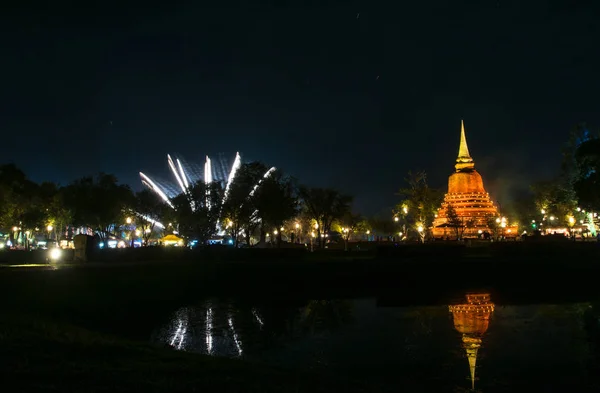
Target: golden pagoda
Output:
[(467, 196), (472, 320)]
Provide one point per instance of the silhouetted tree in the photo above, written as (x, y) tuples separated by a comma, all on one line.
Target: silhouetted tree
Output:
[(239, 212), (148, 209), (275, 201), (459, 224), (419, 204), (324, 206), (99, 203), (197, 211), (587, 185)]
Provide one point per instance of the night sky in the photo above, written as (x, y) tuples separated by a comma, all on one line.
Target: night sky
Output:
[(350, 96)]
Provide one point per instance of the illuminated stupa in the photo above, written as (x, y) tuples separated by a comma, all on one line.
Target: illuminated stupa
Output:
[(472, 320), (467, 195)]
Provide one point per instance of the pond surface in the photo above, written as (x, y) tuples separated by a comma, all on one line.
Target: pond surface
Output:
[(473, 343)]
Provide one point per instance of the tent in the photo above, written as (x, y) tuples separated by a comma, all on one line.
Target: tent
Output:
[(171, 240)]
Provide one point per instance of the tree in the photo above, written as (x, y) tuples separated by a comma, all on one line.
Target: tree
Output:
[(349, 223), (493, 222), (59, 216), (458, 223), (239, 211), (381, 226), (324, 206), (148, 209), (419, 204), (197, 211), (275, 202), (22, 205), (587, 185), (99, 203)]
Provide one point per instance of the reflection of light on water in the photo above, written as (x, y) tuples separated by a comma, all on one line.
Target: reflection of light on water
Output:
[(238, 343), (258, 319), (179, 334), (209, 325)]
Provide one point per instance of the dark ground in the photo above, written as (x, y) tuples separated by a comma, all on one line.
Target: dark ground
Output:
[(78, 328)]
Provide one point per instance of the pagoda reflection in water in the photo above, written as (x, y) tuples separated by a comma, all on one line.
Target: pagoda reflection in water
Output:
[(472, 320)]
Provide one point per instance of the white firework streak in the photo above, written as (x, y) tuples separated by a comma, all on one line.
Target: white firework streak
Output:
[(236, 165), (267, 174), (185, 180), (149, 183), (174, 170), (158, 224), (208, 179)]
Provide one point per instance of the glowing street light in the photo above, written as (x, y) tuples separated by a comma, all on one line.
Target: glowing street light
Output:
[(15, 229), (405, 209), (297, 226), (275, 232), (420, 229), (49, 228), (368, 232), (571, 220), (128, 220), (137, 232), (396, 219), (543, 211), (551, 218)]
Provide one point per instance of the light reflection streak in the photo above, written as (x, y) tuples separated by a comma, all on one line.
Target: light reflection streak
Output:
[(258, 318), (209, 325), (236, 339)]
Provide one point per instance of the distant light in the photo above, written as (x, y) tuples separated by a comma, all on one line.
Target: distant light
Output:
[(49, 228), (480, 231), (230, 241), (55, 254), (396, 219), (128, 220), (1, 246)]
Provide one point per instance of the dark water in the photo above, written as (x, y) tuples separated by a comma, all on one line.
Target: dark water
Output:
[(473, 342)]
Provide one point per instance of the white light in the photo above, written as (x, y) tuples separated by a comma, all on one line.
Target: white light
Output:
[(174, 170), (208, 171), (185, 181), (55, 254), (149, 183), (236, 165)]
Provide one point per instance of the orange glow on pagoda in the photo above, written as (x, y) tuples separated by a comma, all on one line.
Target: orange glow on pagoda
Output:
[(467, 195), (472, 320)]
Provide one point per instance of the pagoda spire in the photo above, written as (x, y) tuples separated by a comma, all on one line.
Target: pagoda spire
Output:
[(464, 160), (472, 357)]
